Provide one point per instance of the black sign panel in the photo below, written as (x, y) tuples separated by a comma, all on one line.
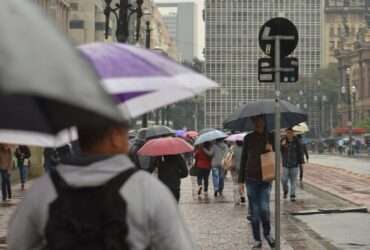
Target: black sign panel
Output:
[(288, 69), (278, 27)]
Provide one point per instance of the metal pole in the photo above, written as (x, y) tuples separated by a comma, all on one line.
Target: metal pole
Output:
[(144, 123), (350, 116), (122, 32), (196, 116), (277, 142)]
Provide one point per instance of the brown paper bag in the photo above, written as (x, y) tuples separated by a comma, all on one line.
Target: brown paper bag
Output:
[(268, 166)]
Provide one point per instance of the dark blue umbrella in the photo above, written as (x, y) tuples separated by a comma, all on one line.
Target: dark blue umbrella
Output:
[(241, 119)]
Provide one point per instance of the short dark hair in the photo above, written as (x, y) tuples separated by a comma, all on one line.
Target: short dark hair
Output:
[(91, 136)]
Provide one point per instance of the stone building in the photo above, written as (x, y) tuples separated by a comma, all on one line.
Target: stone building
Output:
[(354, 66), (344, 20), (58, 10)]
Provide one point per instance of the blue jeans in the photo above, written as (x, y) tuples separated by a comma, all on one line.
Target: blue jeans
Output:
[(23, 172), (289, 177), (259, 201), (218, 178), (5, 185)]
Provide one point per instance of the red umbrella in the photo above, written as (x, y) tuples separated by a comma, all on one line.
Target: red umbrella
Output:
[(165, 146), (192, 134)]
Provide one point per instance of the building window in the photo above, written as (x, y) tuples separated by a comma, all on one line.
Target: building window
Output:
[(76, 24)]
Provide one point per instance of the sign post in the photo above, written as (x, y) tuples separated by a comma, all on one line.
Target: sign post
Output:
[(278, 38)]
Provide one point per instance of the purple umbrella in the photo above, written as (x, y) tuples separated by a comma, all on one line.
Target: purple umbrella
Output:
[(236, 137), (142, 80)]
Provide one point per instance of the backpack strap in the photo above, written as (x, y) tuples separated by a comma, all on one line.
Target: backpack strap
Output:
[(58, 181), (118, 181)]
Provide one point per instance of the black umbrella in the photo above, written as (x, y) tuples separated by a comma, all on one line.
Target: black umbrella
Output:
[(45, 86), (158, 131), (241, 119)]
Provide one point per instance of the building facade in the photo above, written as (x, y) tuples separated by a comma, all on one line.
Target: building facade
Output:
[(181, 18), (87, 21), (58, 10), (343, 22), (232, 50), (354, 66)]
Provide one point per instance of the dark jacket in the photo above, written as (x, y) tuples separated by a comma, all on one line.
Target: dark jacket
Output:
[(292, 154), (171, 169), (254, 145), (22, 153)]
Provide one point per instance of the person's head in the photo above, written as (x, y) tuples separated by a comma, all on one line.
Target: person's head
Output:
[(290, 134), (239, 143), (259, 123), (106, 140), (207, 145)]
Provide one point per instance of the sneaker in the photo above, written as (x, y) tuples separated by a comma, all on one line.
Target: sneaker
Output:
[(293, 199), (249, 217), (200, 190), (216, 194), (285, 194), (242, 199), (257, 245), (270, 241)]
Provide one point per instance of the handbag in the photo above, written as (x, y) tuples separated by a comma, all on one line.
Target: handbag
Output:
[(228, 161), (268, 166)]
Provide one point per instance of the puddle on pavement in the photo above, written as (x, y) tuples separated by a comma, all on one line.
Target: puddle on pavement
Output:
[(345, 231)]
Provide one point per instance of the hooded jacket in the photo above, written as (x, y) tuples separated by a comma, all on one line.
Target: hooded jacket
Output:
[(153, 217)]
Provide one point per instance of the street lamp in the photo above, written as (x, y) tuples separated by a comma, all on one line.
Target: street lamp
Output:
[(123, 11), (349, 91)]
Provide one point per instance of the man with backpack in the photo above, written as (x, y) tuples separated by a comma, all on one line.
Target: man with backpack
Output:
[(98, 200)]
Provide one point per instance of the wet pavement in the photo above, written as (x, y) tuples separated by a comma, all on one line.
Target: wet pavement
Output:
[(354, 165)]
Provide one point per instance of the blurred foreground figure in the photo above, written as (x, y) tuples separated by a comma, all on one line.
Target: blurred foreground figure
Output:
[(98, 200), (5, 169)]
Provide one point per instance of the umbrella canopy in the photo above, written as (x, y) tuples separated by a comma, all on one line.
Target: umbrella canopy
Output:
[(206, 130), (45, 86), (210, 136), (181, 133), (142, 80), (159, 131), (165, 146), (241, 119), (236, 137), (301, 128)]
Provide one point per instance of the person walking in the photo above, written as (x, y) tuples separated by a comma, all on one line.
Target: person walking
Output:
[(304, 152), (23, 156), (99, 200), (6, 164), (203, 157), (256, 143), (171, 169), (236, 151), (219, 150), (291, 151), (51, 159)]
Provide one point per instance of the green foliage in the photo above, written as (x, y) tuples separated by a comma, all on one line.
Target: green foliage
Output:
[(363, 124)]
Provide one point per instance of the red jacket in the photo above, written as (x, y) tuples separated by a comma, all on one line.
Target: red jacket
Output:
[(202, 160)]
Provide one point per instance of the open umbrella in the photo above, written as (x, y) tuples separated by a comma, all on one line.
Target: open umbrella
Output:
[(165, 146), (236, 137), (241, 119), (210, 136), (180, 133), (158, 131), (206, 130), (45, 86), (142, 80), (301, 128)]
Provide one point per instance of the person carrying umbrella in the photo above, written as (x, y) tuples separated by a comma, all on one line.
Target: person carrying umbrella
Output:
[(6, 163), (23, 155), (258, 191), (218, 149), (203, 156), (171, 169), (291, 151)]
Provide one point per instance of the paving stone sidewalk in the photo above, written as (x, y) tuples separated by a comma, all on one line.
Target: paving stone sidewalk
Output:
[(220, 225), (339, 182)]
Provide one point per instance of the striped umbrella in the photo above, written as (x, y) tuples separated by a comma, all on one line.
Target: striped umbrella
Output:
[(141, 80)]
